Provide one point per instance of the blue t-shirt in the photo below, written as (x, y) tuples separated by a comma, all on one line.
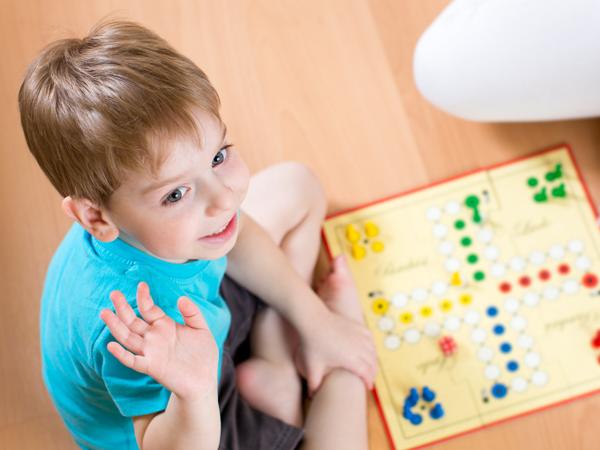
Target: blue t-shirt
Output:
[(94, 393)]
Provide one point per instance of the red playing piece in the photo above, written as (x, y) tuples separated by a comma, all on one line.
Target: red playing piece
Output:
[(564, 269), (525, 281), (596, 340), (544, 275), (505, 287), (589, 280), (447, 345)]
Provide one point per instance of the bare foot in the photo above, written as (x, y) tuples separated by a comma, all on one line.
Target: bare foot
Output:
[(273, 389), (338, 291)]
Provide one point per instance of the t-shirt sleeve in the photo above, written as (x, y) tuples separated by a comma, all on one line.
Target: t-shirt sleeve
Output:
[(133, 392)]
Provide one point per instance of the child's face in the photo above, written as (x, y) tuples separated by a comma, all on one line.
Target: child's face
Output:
[(196, 194)]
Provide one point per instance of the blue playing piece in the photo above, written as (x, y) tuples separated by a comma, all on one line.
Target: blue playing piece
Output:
[(413, 397), (437, 412), (407, 413), (499, 390), (428, 395), (416, 419)]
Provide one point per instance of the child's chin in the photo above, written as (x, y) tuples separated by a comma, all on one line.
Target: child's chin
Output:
[(217, 251)]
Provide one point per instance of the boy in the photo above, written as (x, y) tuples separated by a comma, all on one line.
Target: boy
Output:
[(129, 133)]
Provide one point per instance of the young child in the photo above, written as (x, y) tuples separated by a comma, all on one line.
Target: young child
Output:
[(201, 268)]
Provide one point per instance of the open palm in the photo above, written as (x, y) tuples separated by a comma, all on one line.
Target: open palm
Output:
[(183, 358)]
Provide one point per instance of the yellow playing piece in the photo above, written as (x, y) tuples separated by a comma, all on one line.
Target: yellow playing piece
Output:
[(505, 262)]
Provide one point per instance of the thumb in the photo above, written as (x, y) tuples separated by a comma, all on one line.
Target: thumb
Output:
[(192, 316), (314, 381), (299, 362), (340, 264)]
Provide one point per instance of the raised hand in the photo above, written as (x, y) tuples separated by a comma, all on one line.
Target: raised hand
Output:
[(183, 358)]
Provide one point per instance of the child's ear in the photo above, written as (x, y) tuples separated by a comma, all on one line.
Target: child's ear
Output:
[(94, 219)]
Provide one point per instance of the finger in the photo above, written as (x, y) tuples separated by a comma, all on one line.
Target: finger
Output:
[(370, 359), (341, 264), (127, 358), (127, 315), (121, 333), (299, 362), (192, 316), (372, 372), (314, 381), (149, 311), (361, 369)]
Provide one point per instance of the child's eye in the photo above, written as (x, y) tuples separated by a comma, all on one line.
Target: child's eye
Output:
[(221, 155), (174, 196)]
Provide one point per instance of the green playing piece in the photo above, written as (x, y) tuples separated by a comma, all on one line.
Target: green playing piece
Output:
[(472, 258), (532, 182), (472, 201), (459, 224), (479, 276), (558, 171), (555, 174), (476, 216), (559, 191), (466, 241), (541, 196)]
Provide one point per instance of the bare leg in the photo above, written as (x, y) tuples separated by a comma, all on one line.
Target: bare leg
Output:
[(337, 417), (287, 200)]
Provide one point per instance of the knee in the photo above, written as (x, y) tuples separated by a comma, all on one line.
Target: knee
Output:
[(306, 186)]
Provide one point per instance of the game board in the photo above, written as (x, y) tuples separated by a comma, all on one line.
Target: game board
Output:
[(482, 295)]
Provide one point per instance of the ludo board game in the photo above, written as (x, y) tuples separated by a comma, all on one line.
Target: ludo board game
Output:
[(482, 294)]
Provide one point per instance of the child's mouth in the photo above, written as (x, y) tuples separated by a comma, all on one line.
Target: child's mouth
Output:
[(223, 235)]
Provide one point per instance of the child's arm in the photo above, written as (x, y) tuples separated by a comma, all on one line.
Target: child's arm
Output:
[(327, 340), (193, 424), (183, 358)]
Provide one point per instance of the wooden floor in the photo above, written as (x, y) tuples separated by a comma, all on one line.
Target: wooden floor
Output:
[(328, 83)]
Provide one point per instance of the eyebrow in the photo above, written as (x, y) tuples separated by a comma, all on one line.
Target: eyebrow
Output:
[(167, 181)]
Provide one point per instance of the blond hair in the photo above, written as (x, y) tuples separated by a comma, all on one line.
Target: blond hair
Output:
[(94, 108)]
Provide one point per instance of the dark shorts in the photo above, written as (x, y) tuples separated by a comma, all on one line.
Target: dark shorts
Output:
[(243, 427)]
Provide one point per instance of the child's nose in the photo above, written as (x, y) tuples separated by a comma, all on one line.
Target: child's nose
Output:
[(220, 198)]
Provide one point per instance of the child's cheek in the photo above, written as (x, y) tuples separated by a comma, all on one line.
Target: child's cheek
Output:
[(240, 176)]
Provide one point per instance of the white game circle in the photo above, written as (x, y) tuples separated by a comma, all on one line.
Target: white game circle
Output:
[(537, 258), (557, 252), (519, 384), (386, 323), (446, 248), (492, 253), (575, 246), (492, 372), (498, 270), (525, 341), (511, 305), (412, 336), (434, 214), (391, 342), (532, 359), (472, 317), (399, 300), (478, 335), (452, 323), (452, 207), (485, 354), (440, 230), (452, 264), (539, 378), (419, 294), (432, 329), (551, 293)]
